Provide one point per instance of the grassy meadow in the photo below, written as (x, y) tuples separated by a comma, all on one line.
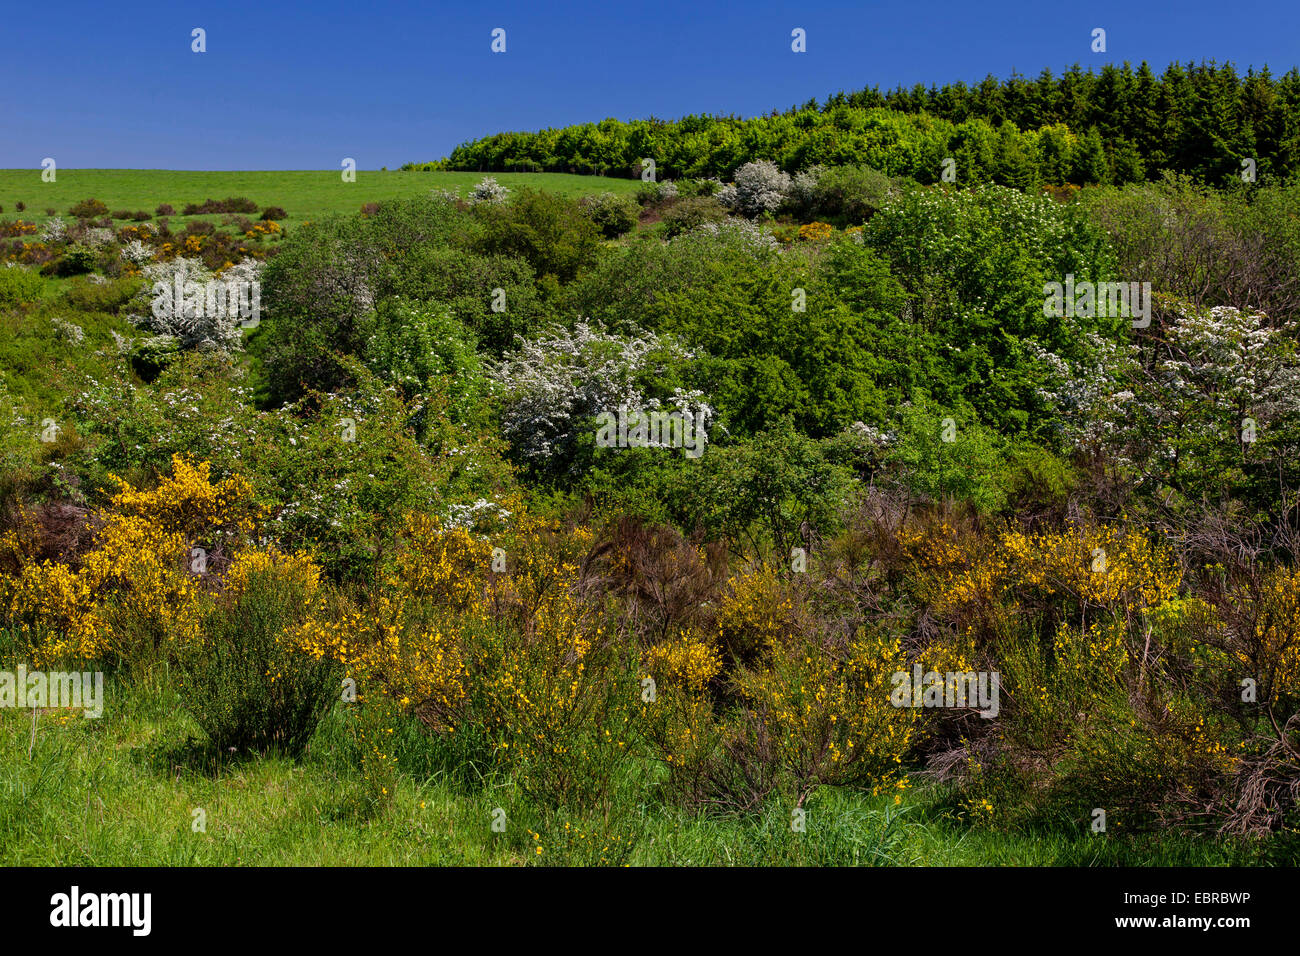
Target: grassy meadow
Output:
[(123, 790), (304, 194)]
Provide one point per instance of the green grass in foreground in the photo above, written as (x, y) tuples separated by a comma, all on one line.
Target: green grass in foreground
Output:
[(304, 194), (122, 790)]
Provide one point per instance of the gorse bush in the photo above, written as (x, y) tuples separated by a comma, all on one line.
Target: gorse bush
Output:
[(405, 642), (564, 660)]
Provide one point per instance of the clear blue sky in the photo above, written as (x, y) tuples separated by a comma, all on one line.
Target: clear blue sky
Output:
[(301, 85)]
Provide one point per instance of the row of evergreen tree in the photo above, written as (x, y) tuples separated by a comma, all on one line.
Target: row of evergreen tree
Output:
[(1202, 119)]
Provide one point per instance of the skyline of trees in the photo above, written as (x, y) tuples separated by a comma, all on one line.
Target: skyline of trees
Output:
[(1115, 125)]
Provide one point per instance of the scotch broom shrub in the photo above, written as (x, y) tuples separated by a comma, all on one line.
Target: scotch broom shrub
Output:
[(248, 683)]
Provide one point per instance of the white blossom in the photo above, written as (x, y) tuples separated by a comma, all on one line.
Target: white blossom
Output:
[(756, 188), (488, 191), (556, 383)]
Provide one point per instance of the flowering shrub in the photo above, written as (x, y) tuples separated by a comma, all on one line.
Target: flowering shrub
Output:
[(201, 320), (688, 662), (55, 230), (687, 215), (1080, 571), (735, 234), (190, 503), (679, 722), (247, 680), (555, 385), (137, 253), (1209, 409), (554, 693), (756, 188), (488, 190), (1273, 650), (657, 192), (1092, 635), (816, 231), (404, 643), (134, 597), (820, 715), (71, 332), (755, 616)]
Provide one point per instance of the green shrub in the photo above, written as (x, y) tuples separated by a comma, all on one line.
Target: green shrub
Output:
[(18, 285), (1234, 247), (422, 349), (698, 187), (1036, 481), (109, 297), (323, 280), (232, 204), (154, 354), (246, 684), (548, 231), (767, 493), (465, 282), (727, 292), (941, 453), (690, 213), (89, 209), (847, 195), (612, 214), (974, 263), (76, 259), (326, 277)]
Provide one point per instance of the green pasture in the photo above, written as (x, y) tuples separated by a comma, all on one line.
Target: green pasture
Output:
[(304, 194)]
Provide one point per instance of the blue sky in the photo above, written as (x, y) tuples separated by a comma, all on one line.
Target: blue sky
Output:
[(301, 85)]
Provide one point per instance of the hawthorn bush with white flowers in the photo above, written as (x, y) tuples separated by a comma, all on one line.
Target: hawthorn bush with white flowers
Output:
[(1206, 408), (203, 321), (554, 385), (488, 191), (756, 188)]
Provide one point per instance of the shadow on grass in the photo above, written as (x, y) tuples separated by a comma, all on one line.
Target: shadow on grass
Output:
[(196, 755)]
